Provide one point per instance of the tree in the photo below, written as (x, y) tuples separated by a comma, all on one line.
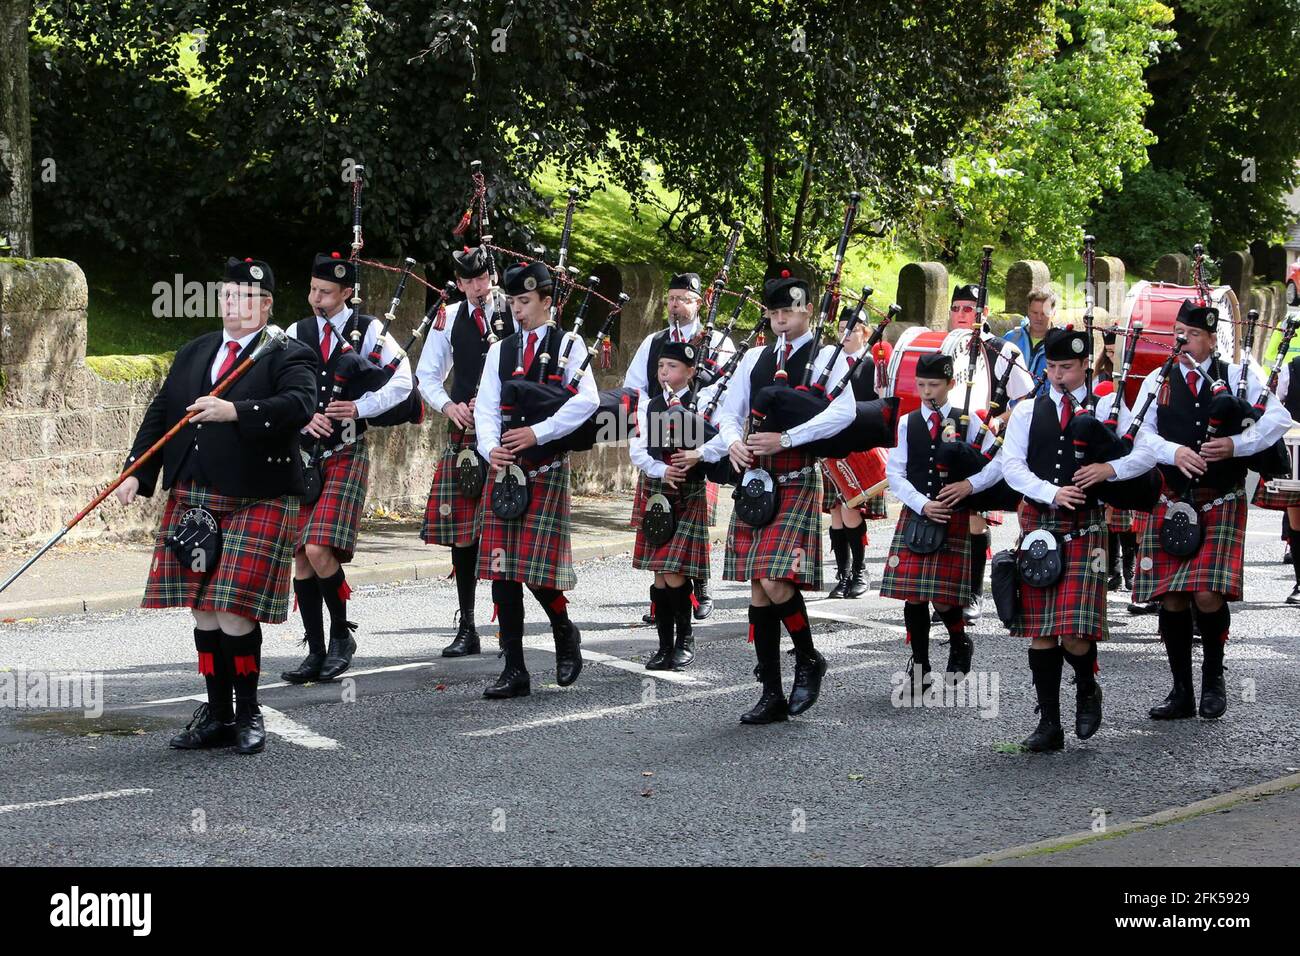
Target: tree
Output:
[(15, 131)]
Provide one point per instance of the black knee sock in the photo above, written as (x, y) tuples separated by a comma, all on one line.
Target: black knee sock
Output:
[(857, 542), (555, 604), (679, 599), (1085, 667), (665, 615), (212, 666), (956, 624), (794, 615), (765, 629), (1214, 636), (1112, 553), (916, 616), (1128, 551), (979, 544), (465, 562), (336, 591), (509, 599), (1176, 632), (1293, 537), (243, 655), (840, 548), (311, 607), (1045, 664)]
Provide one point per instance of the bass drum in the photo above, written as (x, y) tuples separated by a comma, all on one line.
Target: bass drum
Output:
[(1156, 305), (917, 341), (856, 475)]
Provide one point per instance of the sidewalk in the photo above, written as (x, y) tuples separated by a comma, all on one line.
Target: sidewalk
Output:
[(76, 577)]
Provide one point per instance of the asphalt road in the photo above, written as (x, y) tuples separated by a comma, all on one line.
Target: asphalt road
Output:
[(406, 763)]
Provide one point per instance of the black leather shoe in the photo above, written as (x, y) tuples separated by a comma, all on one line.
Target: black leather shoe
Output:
[(339, 656), (1048, 735), (1214, 697), (205, 731), (1113, 580), (807, 686), (1179, 704), (972, 611), (770, 709), (568, 654), (513, 682), (1149, 607), (683, 651), (927, 678), (703, 601), (660, 660), (841, 585), (249, 729), (959, 659), (857, 584), (307, 671), (466, 641), (1087, 712), (1294, 597)]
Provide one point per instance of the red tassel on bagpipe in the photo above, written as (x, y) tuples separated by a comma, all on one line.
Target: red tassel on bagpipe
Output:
[(463, 226), (606, 353)]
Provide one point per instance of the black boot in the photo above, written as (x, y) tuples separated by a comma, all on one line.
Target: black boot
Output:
[(204, 731), (809, 669), (213, 723), (841, 586), (338, 658), (840, 548), (514, 680), (311, 607), (916, 618), (243, 655), (466, 641), (1045, 663), (1087, 695), (703, 600), (568, 639), (771, 707), (1176, 630), (1113, 577), (960, 646), (1214, 636), (683, 651), (650, 618), (665, 619), (1128, 552), (859, 580)]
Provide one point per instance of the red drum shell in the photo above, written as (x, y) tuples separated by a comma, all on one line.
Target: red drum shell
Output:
[(1156, 304), (855, 475), (915, 342)]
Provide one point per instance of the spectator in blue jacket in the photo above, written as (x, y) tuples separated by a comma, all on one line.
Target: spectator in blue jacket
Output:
[(1029, 335)]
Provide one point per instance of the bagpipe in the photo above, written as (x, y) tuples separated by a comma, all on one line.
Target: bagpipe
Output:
[(1274, 461), (410, 410), (677, 428), (707, 369)]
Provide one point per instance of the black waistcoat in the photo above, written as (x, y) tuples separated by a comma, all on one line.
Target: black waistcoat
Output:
[(864, 381), (1050, 455), (1184, 420), (468, 350), (306, 332), (764, 371), (920, 469)]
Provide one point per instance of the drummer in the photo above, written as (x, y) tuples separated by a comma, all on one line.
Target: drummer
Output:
[(1003, 359), (940, 576)]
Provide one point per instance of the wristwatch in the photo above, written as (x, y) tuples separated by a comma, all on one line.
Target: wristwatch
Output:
[(785, 440)]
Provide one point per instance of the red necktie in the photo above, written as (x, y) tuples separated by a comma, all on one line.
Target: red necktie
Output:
[(232, 353), (478, 317), (934, 425), (852, 361), (677, 334), (325, 342), (788, 349), (1192, 381), (1067, 411), (528, 352)]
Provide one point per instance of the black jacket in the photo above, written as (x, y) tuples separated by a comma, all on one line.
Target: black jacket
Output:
[(255, 456)]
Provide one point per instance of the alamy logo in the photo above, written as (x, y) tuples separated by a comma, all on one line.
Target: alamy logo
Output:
[(74, 909)]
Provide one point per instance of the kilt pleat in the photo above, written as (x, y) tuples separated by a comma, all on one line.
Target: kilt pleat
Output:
[(1119, 519), (942, 577), (687, 552), (449, 517), (1076, 605), (253, 573), (335, 518), (1218, 565), (1274, 500), (789, 548), (535, 548)]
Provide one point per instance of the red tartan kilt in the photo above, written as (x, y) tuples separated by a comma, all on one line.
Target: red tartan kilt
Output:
[(449, 517), (687, 552), (639, 499), (334, 520), (1217, 566), (1274, 500), (789, 547), (711, 496), (535, 548), (253, 572), (1118, 520), (993, 517), (1076, 605), (942, 577)]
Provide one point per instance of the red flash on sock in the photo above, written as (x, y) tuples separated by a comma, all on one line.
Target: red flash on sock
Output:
[(345, 590), (695, 602), (560, 603), (245, 664), (494, 613), (796, 622), (206, 665), (751, 633)]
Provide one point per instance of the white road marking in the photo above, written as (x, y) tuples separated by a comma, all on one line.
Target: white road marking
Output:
[(387, 669), (632, 667), (84, 798), (294, 732), (621, 709)]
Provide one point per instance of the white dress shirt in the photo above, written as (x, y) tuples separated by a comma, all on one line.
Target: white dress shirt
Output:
[(223, 351), (636, 371), (733, 416), (896, 462), (1021, 381), (1015, 446), (436, 359), (1271, 426), (579, 408), (395, 390), (638, 445)]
